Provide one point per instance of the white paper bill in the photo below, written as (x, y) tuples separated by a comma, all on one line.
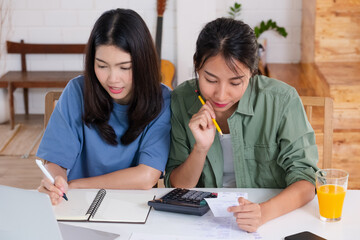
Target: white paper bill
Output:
[(224, 200)]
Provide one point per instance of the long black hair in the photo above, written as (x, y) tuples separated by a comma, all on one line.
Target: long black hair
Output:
[(233, 39), (126, 30)]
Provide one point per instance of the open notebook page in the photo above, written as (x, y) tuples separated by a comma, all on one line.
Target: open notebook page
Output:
[(118, 206), (77, 206)]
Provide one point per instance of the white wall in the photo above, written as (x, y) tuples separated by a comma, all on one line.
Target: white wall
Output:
[(191, 16), (190, 20), (70, 21)]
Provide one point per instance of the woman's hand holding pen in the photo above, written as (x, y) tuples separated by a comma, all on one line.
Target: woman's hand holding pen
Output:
[(202, 127), (56, 190), (55, 187), (248, 215)]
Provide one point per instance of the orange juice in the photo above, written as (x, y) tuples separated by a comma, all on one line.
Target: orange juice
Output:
[(331, 198)]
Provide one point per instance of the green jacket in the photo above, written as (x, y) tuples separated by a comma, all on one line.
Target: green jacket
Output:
[(273, 142)]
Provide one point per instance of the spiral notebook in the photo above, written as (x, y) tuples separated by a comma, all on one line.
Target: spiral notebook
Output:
[(104, 206)]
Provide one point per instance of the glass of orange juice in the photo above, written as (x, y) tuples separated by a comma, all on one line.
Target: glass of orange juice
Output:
[(331, 186)]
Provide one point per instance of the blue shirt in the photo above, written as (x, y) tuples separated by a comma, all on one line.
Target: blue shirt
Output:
[(69, 143)]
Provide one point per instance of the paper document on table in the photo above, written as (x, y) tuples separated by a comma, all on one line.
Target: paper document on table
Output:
[(222, 228), (210, 236), (224, 200), (205, 227), (232, 195)]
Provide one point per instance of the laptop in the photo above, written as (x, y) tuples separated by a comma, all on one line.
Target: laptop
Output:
[(26, 214)]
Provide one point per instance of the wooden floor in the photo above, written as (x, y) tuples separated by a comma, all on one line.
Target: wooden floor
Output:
[(18, 172), (15, 170)]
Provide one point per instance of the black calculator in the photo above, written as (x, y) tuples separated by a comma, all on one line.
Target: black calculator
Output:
[(182, 200)]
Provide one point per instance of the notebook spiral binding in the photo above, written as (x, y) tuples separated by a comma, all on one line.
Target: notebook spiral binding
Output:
[(96, 203)]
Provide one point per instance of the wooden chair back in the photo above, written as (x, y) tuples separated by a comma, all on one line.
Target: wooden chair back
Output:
[(23, 48), (50, 102), (327, 104)]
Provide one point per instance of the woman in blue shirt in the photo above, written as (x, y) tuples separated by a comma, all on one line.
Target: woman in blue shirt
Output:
[(111, 127)]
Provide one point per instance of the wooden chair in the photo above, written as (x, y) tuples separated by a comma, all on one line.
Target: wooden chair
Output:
[(327, 104), (50, 102), (36, 79)]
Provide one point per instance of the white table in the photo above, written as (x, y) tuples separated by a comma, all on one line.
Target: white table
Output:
[(303, 219)]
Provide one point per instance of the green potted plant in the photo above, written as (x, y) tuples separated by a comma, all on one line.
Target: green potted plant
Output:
[(234, 12), (269, 25)]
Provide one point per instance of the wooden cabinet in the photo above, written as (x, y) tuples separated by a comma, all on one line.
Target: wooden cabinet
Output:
[(330, 31), (331, 41)]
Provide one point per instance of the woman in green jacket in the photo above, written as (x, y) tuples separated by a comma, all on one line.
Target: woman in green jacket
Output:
[(267, 142)]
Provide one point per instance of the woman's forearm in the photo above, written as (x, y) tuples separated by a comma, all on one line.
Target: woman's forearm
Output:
[(139, 177), (55, 170), (187, 174), (291, 198)]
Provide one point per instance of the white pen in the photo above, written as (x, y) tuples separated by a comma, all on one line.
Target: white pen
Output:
[(47, 174)]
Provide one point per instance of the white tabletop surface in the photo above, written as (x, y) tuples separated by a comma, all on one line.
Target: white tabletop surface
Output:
[(160, 225)]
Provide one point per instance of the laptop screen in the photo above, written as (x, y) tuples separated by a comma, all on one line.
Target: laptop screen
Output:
[(26, 214)]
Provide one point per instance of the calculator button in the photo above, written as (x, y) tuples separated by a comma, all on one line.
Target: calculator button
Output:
[(203, 195)]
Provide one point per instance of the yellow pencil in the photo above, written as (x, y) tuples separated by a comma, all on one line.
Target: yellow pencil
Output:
[(214, 121)]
